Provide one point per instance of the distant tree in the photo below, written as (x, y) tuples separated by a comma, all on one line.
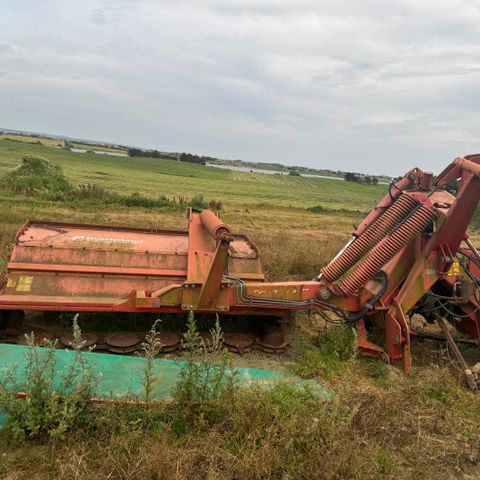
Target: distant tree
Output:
[(294, 172), (183, 157), (351, 177), (135, 152), (190, 158), (374, 181), (170, 156)]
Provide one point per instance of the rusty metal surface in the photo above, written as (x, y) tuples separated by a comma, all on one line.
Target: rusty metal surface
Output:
[(386, 249), (169, 342), (122, 342), (383, 226), (41, 339), (272, 335), (239, 342), (209, 297), (60, 266), (217, 229), (88, 339), (271, 340)]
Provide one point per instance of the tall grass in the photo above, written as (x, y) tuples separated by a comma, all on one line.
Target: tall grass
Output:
[(285, 432)]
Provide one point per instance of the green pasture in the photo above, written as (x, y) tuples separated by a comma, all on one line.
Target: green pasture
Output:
[(52, 142), (155, 177)]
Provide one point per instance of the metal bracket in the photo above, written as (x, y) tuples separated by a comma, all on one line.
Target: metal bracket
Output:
[(213, 280)]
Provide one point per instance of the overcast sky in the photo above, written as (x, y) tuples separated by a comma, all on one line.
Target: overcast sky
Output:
[(372, 86)]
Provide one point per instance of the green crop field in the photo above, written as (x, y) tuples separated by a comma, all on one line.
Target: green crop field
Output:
[(52, 142), (154, 177)]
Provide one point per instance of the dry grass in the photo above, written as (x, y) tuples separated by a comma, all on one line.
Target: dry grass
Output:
[(367, 431)]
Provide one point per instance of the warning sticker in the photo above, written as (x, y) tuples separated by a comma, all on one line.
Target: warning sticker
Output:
[(454, 269), (24, 283)]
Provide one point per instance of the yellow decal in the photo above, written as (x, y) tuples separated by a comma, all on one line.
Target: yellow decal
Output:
[(24, 283), (454, 269), (11, 282)]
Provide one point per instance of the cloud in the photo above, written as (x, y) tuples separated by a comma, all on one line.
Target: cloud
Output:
[(368, 86)]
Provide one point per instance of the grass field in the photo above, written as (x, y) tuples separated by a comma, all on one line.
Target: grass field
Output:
[(156, 177), (52, 142), (381, 425)]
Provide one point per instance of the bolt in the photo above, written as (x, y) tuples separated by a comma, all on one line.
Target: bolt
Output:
[(325, 294)]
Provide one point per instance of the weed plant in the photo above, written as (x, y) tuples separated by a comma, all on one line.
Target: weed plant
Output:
[(37, 173), (334, 354), (150, 348), (208, 373), (54, 402)]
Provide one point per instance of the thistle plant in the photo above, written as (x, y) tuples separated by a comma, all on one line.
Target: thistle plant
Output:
[(151, 348)]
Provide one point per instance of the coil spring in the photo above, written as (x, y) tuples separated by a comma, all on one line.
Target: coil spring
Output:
[(375, 232), (385, 251)]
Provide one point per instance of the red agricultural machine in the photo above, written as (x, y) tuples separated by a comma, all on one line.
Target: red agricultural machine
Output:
[(405, 257)]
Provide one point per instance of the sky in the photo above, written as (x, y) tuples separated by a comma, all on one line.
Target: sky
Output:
[(360, 85)]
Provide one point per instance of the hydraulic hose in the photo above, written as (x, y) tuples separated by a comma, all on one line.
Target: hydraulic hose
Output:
[(368, 307)]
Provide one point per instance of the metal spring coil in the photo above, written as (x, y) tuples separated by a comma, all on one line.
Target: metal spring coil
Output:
[(385, 251), (384, 225)]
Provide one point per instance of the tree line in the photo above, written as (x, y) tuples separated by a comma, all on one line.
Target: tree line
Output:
[(138, 152), (353, 177), (183, 157)]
